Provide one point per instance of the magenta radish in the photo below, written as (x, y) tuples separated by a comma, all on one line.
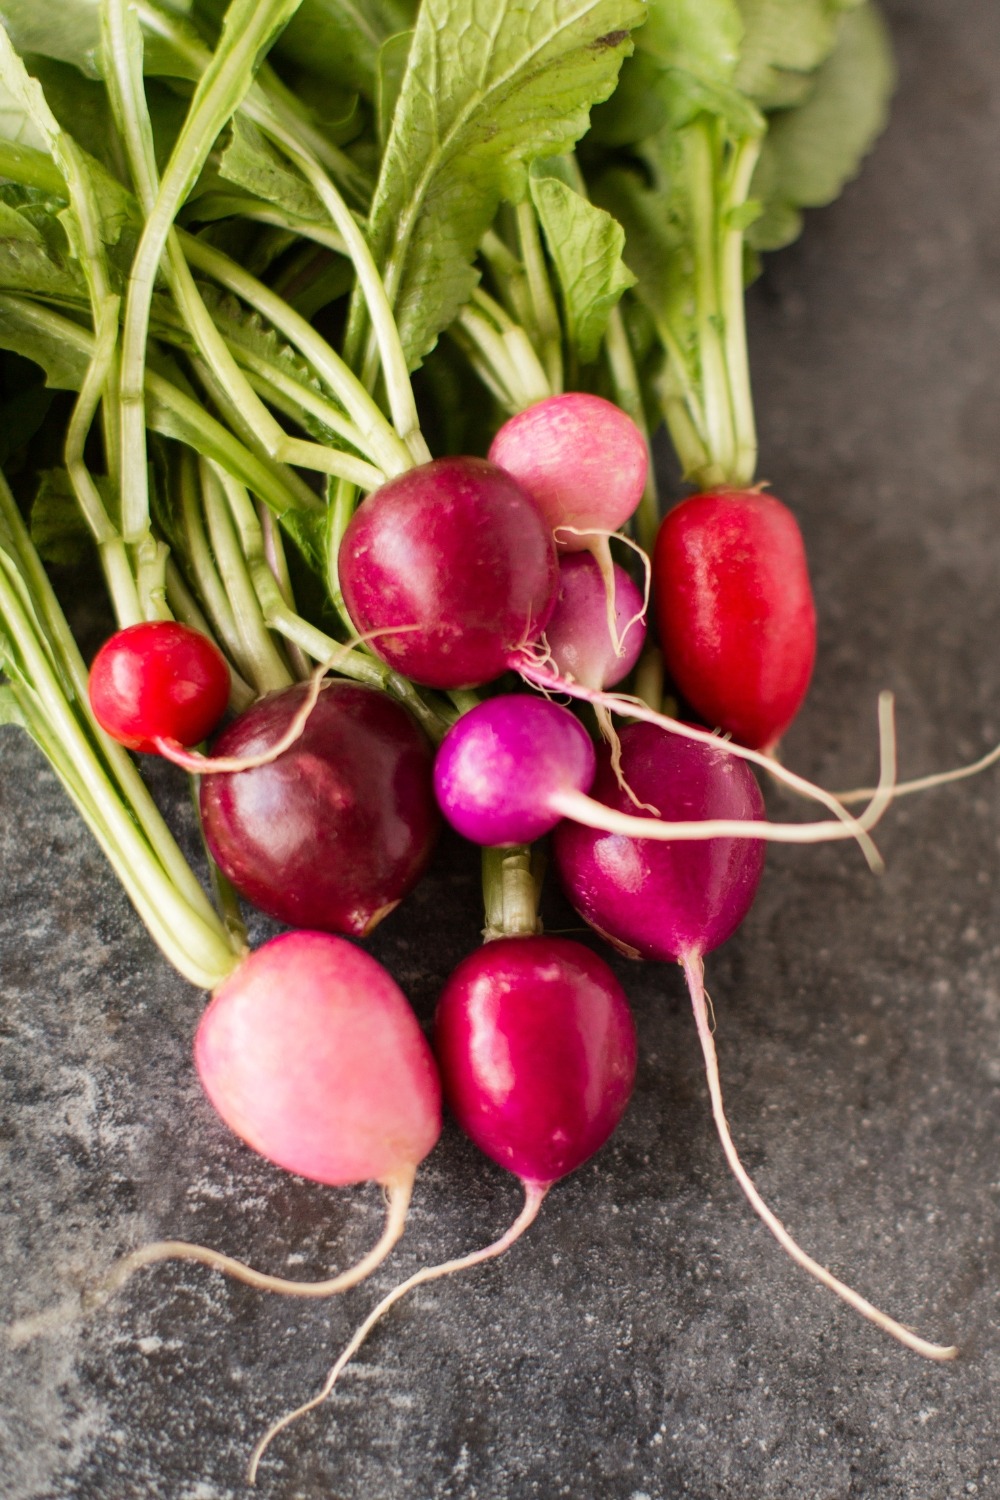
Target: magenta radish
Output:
[(735, 611), (581, 458), (509, 769), (678, 902), (159, 685), (579, 641), (537, 1050), (333, 833), (455, 563)]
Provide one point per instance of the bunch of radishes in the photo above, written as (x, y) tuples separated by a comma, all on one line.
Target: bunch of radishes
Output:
[(320, 805)]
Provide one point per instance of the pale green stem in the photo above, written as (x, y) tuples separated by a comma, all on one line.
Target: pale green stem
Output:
[(184, 607), (546, 314), (745, 158), (625, 378), (217, 95), (381, 441), (395, 372), (708, 311), (510, 893), (113, 553), (264, 665), (277, 562)]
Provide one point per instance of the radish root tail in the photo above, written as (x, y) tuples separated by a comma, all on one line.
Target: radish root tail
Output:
[(398, 1194), (694, 972), (534, 1196)]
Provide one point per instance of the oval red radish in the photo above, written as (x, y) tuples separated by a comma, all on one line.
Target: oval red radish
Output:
[(735, 611)]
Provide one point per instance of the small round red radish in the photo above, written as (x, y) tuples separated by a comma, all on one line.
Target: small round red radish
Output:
[(156, 682), (679, 901), (450, 568), (578, 637), (311, 1053), (735, 611), (537, 1050), (340, 827), (581, 458), (665, 899)]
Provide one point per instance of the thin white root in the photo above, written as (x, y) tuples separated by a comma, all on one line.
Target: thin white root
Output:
[(609, 734), (634, 708), (694, 972), (397, 1202), (924, 783), (600, 551), (208, 765), (534, 1196)]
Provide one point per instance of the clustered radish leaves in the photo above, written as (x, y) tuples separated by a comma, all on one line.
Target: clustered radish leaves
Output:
[(228, 238)]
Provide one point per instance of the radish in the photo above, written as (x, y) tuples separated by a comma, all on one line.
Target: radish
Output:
[(678, 902), (581, 458), (580, 644), (310, 1053), (338, 829), (537, 1051), (585, 462), (509, 769), (735, 611), (455, 559), (159, 685)]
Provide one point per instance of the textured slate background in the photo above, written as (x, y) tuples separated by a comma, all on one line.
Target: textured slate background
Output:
[(647, 1340)]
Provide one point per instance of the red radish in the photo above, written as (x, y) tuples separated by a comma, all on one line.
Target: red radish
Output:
[(455, 559), (337, 830), (537, 1051), (159, 684), (581, 458), (580, 643), (678, 902), (735, 611)]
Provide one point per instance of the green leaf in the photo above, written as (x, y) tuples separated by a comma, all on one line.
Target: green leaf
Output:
[(70, 31), (585, 244), (784, 42), (392, 59), (10, 708), (340, 39), (811, 152), (250, 162), (491, 86), (58, 529)]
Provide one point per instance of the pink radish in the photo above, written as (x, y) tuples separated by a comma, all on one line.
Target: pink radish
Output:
[(159, 685), (334, 832), (581, 458), (735, 611), (579, 641), (537, 1051), (311, 1054), (456, 560), (678, 902)]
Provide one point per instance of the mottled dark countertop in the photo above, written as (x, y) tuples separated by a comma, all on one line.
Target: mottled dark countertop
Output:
[(647, 1340)]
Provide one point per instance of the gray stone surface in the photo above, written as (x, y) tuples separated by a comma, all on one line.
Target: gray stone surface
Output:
[(647, 1340)]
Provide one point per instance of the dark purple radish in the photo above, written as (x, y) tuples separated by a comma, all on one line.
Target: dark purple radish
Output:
[(537, 1051), (579, 641), (452, 569), (309, 1052), (337, 830), (678, 901)]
